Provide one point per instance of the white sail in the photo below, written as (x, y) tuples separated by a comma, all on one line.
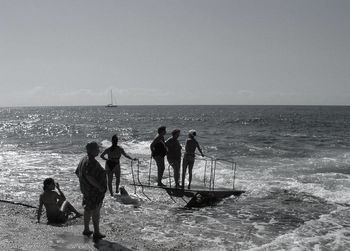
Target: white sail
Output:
[(112, 103)]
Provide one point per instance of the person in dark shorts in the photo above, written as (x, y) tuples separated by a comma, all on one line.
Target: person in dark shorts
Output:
[(189, 157), (93, 185), (56, 205), (159, 150), (113, 163), (174, 154)]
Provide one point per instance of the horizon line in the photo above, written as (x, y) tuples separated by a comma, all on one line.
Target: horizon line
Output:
[(309, 105)]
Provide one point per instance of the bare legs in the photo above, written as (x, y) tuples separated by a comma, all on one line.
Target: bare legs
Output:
[(176, 167), (117, 178), (116, 172), (190, 167), (67, 208), (109, 180), (161, 167), (95, 215), (87, 217), (187, 162)]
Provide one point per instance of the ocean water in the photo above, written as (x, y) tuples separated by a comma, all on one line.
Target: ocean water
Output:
[(292, 161)]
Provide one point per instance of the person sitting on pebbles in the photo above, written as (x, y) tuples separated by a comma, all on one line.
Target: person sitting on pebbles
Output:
[(56, 205)]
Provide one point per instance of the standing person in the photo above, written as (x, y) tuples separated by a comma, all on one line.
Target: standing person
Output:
[(189, 157), (92, 178), (56, 205), (174, 154), (159, 150), (113, 163)]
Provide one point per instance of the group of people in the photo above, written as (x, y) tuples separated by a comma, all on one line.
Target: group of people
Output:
[(172, 149), (94, 179), (93, 185)]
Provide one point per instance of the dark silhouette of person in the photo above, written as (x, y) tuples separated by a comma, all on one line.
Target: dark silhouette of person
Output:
[(93, 185), (56, 205), (189, 157), (174, 154), (113, 163), (159, 150)]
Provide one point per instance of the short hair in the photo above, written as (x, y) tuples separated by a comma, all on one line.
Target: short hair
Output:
[(47, 182), (161, 129), (91, 146), (175, 131)]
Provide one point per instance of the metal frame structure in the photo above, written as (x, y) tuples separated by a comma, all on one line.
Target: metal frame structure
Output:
[(208, 190)]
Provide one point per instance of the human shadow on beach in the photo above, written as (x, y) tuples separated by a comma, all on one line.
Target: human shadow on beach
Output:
[(104, 245)]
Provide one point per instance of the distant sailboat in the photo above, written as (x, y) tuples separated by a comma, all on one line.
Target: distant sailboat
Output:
[(112, 104)]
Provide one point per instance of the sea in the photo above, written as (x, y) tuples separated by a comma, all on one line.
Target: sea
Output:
[(293, 162)]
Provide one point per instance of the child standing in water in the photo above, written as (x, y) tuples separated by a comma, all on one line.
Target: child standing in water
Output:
[(113, 163), (189, 157), (57, 208)]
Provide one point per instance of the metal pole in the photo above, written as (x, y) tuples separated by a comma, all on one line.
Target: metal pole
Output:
[(133, 178), (169, 176), (138, 172), (205, 171), (211, 174), (214, 174), (234, 175), (149, 175), (149, 180)]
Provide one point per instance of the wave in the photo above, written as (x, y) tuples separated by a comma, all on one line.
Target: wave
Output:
[(138, 148)]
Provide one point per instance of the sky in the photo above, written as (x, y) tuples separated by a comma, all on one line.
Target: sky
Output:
[(174, 52)]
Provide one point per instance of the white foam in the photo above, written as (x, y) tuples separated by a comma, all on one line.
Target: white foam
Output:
[(106, 143), (138, 148), (324, 233)]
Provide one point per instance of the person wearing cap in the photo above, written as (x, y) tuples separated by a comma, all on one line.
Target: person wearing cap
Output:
[(159, 150), (174, 154), (189, 157), (93, 185)]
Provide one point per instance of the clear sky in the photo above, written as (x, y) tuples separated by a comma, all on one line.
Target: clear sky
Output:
[(169, 52)]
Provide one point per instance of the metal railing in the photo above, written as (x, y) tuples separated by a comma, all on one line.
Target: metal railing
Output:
[(209, 177)]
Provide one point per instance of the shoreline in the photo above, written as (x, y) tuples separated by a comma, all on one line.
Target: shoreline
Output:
[(20, 231)]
